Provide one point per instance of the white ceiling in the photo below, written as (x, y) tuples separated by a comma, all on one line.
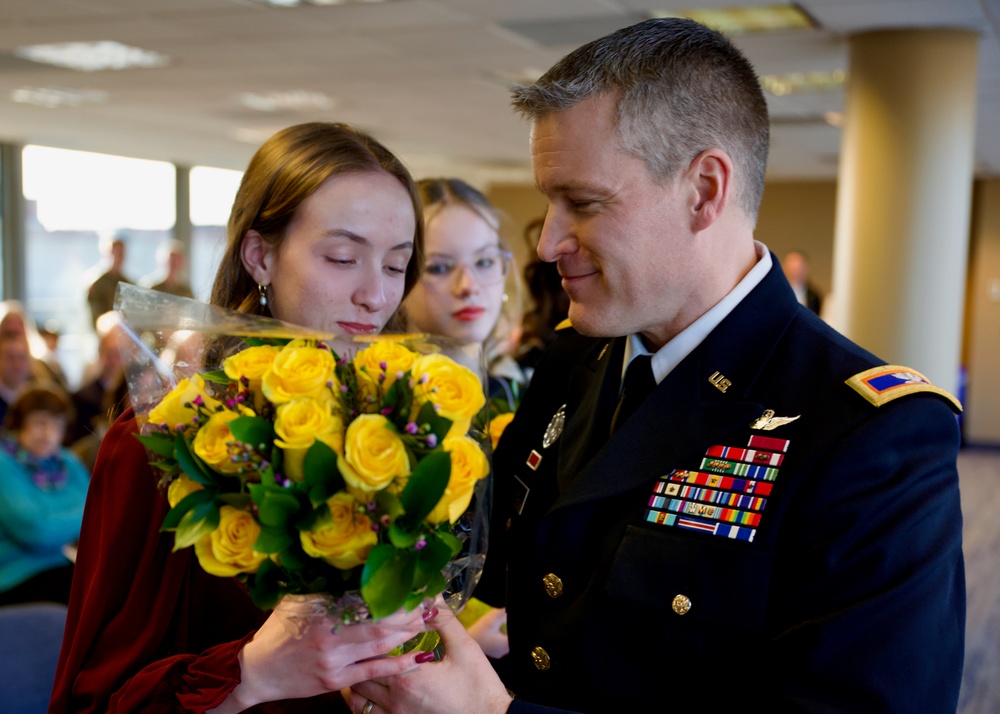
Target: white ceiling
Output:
[(427, 77)]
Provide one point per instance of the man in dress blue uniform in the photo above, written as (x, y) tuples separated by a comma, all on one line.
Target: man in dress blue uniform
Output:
[(777, 524)]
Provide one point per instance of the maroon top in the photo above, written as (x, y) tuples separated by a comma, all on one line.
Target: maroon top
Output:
[(148, 630)]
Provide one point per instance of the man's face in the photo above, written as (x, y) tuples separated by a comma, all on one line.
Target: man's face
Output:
[(621, 240), (15, 363)]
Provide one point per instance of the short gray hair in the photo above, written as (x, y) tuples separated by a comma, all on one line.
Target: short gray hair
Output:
[(682, 88)]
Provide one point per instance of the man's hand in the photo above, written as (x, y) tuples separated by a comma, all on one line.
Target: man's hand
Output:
[(464, 681)]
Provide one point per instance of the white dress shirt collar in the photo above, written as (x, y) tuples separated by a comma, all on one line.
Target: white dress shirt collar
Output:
[(671, 354)]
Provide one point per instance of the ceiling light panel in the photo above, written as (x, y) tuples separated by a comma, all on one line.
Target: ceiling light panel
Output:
[(53, 97), (93, 56), (294, 100), (782, 84), (739, 20)]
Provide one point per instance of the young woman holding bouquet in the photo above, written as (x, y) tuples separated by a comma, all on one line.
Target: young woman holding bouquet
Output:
[(326, 232)]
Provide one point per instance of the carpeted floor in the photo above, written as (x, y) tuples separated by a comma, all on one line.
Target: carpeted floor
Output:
[(979, 476)]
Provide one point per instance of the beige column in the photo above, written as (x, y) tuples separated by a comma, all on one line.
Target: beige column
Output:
[(903, 197)]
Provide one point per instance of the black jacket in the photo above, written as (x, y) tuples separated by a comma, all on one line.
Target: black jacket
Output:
[(850, 596)]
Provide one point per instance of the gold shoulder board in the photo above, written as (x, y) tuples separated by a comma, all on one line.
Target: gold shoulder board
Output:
[(564, 324), (880, 385)]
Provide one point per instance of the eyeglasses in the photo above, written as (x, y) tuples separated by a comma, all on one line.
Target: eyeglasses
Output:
[(488, 268)]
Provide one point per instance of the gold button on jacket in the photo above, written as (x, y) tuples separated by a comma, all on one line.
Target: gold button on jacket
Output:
[(681, 604), (541, 659), (553, 585)]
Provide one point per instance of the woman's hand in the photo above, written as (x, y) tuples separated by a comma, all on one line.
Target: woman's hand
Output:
[(464, 681), (277, 665)]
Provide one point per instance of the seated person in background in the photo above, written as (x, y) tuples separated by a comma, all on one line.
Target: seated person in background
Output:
[(15, 369), (44, 487), (44, 364), (462, 291), (99, 377), (170, 276)]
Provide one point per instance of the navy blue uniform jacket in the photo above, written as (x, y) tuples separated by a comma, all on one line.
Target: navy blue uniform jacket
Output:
[(849, 598)]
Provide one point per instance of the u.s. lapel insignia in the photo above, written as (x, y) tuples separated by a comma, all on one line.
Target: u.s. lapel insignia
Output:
[(555, 427), (767, 421)]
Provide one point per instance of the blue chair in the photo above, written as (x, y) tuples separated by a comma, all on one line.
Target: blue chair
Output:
[(30, 639)]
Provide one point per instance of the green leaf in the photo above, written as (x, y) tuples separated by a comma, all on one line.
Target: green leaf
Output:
[(320, 472), (387, 579), (450, 541), (438, 424), (236, 500), (312, 518), (272, 539), (265, 585), (161, 444), (426, 486), (165, 465), (196, 524), (402, 538), (389, 503), (174, 516), (252, 431), (258, 341), (191, 464), (399, 396), (435, 586), (430, 560), (217, 376), (276, 506)]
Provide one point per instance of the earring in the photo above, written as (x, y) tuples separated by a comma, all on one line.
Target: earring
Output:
[(262, 291)]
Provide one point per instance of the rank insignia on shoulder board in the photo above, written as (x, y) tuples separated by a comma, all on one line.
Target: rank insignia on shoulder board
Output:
[(880, 385)]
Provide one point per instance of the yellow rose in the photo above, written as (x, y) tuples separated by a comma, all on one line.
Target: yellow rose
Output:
[(299, 370), (181, 487), (455, 389), (228, 550), (468, 465), (384, 357), (215, 444), (250, 363), (497, 426), (178, 409), (374, 455), (346, 539), (299, 423)]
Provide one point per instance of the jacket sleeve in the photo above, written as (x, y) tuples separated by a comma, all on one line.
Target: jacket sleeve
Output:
[(869, 590), (130, 629)]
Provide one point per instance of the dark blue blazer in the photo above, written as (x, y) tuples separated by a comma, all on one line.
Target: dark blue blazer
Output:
[(849, 598)]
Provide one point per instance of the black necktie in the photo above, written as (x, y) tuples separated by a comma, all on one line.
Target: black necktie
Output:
[(639, 382)]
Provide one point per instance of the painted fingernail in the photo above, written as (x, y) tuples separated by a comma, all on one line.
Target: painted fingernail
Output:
[(430, 614), (424, 657)]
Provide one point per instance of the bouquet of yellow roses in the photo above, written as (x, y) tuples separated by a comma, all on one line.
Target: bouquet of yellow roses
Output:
[(305, 466)]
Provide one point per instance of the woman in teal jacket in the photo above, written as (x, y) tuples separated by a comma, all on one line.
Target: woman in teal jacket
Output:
[(42, 491)]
